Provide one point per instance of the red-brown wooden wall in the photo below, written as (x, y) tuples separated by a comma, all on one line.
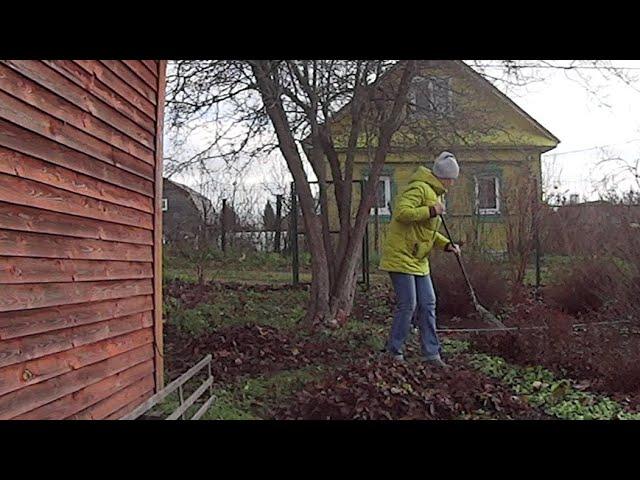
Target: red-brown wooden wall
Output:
[(80, 237)]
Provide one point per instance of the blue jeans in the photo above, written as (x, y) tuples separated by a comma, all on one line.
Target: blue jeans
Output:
[(414, 293)]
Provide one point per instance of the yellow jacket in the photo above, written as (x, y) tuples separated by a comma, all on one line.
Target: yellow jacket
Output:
[(413, 233)]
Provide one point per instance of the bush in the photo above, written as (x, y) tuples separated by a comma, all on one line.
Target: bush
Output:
[(602, 357), (590, 284), (488, 278)]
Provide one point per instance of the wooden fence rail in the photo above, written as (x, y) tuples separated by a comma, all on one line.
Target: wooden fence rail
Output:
[(178, 384)]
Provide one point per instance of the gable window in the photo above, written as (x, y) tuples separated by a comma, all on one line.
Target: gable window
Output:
[(488, 195), (432, 95), (165, 204), (383, 196)]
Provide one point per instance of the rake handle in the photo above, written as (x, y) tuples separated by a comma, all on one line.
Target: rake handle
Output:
[(458, 257)]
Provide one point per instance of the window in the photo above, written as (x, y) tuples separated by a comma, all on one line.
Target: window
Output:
[(488, 195), (432, 96), (383, 196), (165, 205)]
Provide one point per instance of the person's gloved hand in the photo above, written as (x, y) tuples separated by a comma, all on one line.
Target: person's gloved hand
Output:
[(452, 247), (437, 209)]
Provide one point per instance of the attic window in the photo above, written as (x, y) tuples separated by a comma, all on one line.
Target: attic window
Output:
[(432, 95), (165, 205), (487, 195)]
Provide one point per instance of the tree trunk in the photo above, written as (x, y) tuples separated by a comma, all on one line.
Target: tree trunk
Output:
[(342, 299), (318, 310), (334, 276)]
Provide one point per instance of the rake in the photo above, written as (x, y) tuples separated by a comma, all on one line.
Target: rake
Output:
[(482, 311)]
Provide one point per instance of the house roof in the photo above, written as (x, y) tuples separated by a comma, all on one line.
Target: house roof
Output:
[(344, 110), (509, 101), (197, 198)]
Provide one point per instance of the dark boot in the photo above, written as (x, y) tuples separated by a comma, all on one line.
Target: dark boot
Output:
[(437, 362)]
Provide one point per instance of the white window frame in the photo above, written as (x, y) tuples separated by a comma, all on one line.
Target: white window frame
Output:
[(425, 112), (165, 204), (496, 184), (386, 210)]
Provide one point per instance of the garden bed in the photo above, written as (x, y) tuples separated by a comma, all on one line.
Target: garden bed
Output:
[(266, 365), (599, 354)]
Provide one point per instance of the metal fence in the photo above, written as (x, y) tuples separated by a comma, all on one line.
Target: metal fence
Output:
[(365, 276)]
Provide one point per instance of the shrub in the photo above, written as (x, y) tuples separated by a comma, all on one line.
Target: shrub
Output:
[(589, 285), (603, 358), (488, 278)]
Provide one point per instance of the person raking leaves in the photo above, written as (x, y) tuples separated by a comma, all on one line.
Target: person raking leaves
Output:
[(412, 235)]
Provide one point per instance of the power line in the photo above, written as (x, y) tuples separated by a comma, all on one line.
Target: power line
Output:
[(592, 148), (559, 67)]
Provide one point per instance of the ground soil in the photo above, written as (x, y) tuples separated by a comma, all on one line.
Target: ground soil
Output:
[(601, 356), (357, 382)]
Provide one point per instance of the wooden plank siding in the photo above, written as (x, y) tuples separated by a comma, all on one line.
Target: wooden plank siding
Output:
[(157, 232), (30, 92), (130, 406), (80, 237), (74, 84)]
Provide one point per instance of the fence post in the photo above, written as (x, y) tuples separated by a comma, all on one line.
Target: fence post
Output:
[(224, 225), (365, 243), (367, 278), (376, 232), (536, 234), (278, 222), (294, 235)]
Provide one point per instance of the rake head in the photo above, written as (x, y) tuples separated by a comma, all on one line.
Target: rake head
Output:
[(489, 317)]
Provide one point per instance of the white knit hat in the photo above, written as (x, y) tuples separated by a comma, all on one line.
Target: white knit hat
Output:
[(446, 166)]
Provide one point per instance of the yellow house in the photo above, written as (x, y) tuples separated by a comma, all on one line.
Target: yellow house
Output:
[(497, 144)]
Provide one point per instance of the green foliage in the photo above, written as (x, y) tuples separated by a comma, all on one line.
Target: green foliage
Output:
[(452, 346), (305, 259), (359, 334), (246, 399), (230, 258), (232, 265), (167, 406), (557, 397), (226, 407), (191, 322), (251, 399), (279, 308)]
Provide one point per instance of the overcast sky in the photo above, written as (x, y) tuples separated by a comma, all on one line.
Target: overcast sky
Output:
[(577, 117)]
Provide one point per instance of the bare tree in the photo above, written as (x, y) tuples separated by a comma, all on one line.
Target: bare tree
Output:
[(522, 209), (621, 170), (198, 250), (297, 100), (320, 114), (309, 87)]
